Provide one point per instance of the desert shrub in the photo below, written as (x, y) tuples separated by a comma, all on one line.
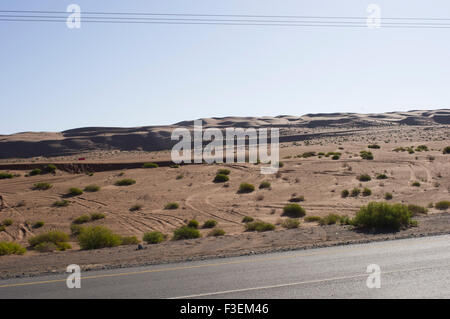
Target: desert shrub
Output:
[(38, 224), (97, 216), (53, 236), (442, 205), (345, 220), (264, 184), (50, 168), (366, 155), (216, 232), (74, 191), (247, 219), (416, 184), (312, 219), (345, 193), (92, 188), (246, 188), (422, 148), (335, 157), (150, 165), (416, 209), (193, 224), (98, 237), (172, 205), (2, 228), (186, 232), (290, 223), (125, 182), (129, 240), (11, 248), (364, 178), (223, 171), (388, 196), (446, 150), (4, 175), (366, 192), (154, 237), (259, 226), (76, 229), (45, 247), (308, 154), (294, 210), (36, 171), (355, 192), (61, 203), (175, 166), (42, 186), (210, 223), (330, 219), (382, 216), (135, 207), (82, 219), (374, 146), (382, 176), (280, 164), (297, 199), (7, 222), (221, 178), (179, 176)]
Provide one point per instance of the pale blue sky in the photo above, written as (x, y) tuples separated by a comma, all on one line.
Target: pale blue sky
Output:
[(53, 78)]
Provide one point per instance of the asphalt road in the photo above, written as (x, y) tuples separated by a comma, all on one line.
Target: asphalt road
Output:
[(410, 268)]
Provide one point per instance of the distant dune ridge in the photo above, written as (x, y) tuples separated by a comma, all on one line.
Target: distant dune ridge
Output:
[(155, 138)]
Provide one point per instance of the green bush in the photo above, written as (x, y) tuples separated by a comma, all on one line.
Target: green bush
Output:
[(38, 224), (11, 248), (388, 196), (129, 240), (442, 205), (366, 192), (223, 171), (355, 192), (76, 229), (7, 222), (150, 165), (97, 216), (330, 219), (61, 203), (73, 191), (216, 232), (308, 154), (4, 175), (259, 226), (186, 232), (364, 178), (36, 171), (172, 205), (422, 148), (375, 146), (135, 207), (247, 219), (92, 188), (50, 168), (382, 216), (312, 219), (82, 219), (221, 178), (246, 188), (53, 236), (335, 157), (297, 199), (154, 237), (294, 210), (2, 228), (264, 184), (210, 223), (446, 150), (345, 193), (382, 176), (416, 209), (290, 223), (366, 155), (416, 184), (42, 186), (193, 224), (98, 237), (125, 182)]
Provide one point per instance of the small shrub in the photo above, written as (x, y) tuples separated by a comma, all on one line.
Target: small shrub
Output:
[(11, 248), (50, 168), (335, 157), (76, 229), (416, 209), (223, 171), (38, 224), (294, 210), (135, 207), (172, 206), (382, 216), (382, 176), (45, 247), (221, 178), (442, 205), (53, 236), (125, 182), (297, 199), (179, 176), (264, 185), (216, 232), (92, 188), (36, 171), (308, 154), (366, 192), (364, 178), (210, 223), (388, 196), (4, 175), (345, 193), (7, 222), (61, 203), (82, 219), (366, 155), (2, 228), (290, 223), (374, 146), (129, 240), (246, 188), (97, 216), (259, 226), (98, 237), (154, 237), (355, 192), (193, 224), (313, 219), (422, 148), (446, 150), (247, 219), (186, 232), (73, 191), (330, 219), (150, 165), (416, 184), (42, 186)]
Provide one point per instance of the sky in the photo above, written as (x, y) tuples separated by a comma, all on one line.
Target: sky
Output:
[(53, 78)]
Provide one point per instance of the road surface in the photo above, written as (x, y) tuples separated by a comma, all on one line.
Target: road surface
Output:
[(410, 268)]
